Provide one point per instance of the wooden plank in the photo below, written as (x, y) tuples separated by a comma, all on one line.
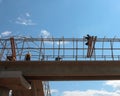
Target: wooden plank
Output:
[(91, 46)]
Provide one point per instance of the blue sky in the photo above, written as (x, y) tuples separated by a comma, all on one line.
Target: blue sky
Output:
[(68, 18)]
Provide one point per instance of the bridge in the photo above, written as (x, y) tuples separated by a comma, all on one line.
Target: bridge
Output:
[(55, 59)]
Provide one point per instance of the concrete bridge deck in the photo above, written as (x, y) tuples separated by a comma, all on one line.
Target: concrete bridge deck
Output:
[(65, 70)]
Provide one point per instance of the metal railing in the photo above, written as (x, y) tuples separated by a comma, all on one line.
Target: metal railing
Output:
[(64, 48)]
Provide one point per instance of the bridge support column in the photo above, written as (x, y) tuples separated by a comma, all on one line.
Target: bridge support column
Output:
[(4, 91), (37, 88)]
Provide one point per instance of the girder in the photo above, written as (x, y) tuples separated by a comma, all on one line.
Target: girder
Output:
[(65, 70)]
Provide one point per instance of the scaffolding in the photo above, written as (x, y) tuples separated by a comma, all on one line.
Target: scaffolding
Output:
[(49, 49), (59, 49)]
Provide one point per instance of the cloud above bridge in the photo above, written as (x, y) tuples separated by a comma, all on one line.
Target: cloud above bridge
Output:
[(6, 33)]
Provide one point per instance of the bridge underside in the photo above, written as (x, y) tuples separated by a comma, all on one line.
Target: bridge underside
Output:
[(13, 80), (29, 74), (64, 70)]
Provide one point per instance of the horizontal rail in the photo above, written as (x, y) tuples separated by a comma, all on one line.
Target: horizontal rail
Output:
[(62, 39)]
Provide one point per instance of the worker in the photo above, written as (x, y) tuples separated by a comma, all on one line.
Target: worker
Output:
[(43, 58), (28, 56), (11, 58), (87, 38), (58, 58)]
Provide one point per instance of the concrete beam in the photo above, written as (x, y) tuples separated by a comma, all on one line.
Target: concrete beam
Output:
[(65, 70), (13, 80)]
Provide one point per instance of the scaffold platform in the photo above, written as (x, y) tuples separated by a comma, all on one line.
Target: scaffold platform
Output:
[(50, 49)]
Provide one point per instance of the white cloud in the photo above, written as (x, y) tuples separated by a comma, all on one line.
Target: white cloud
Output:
[(90, 93), (53, 91), (45, 34), (24, 20), (62, 42), (27, 14), (6, 33), (114, 83)]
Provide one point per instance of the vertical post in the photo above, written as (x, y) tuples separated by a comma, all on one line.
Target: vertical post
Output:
[(76, 50), (3, 48), (91, 46), (44, 49), (40, 53), (111, 43), (83, 48), (22, 49), (4, 91), (53, 48), (13, 47), (90, 43), (103, 48), (73, 48), (63, 47), (59, 48)]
